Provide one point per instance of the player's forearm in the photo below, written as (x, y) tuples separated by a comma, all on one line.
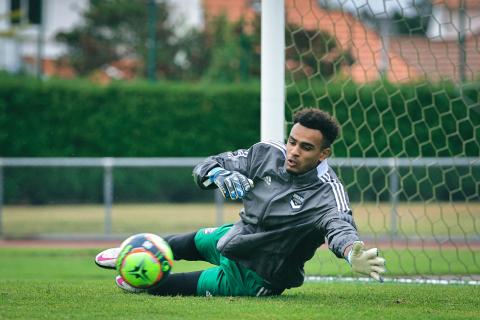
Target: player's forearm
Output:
[(340, 233), (200, 172), (338, 242)]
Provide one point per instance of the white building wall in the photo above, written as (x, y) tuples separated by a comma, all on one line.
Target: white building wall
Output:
[(3, 10), (185, 14), (7, 48), (63, 15), (58, 15)]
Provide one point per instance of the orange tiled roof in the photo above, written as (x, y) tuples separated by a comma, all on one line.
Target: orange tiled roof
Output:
[(233, 10), (435, 59), (408, 58)]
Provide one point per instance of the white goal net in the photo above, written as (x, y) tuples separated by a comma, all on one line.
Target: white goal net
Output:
[(402, 78)]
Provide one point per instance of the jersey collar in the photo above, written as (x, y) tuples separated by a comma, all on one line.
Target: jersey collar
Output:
[(310, 176)]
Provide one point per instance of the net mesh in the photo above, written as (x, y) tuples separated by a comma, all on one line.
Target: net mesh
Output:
[(401, 77)]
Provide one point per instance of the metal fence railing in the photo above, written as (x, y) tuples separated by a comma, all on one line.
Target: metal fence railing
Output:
[(392, 166)]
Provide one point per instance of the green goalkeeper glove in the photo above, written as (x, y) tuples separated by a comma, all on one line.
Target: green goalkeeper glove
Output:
[(366, 262)]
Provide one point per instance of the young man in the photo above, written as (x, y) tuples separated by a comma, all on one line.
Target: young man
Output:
[(293, 202)]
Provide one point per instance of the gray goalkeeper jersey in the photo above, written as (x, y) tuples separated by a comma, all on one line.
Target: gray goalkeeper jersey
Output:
[(285, 217)]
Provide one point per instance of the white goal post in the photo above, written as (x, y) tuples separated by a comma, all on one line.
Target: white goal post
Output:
[(273, 71)]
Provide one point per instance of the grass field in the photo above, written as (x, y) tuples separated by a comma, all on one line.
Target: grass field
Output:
[(414, 219), (437, 220), (404, 262), (53, 283)]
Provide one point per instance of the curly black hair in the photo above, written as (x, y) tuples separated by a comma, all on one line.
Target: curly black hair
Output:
[(320, 120)]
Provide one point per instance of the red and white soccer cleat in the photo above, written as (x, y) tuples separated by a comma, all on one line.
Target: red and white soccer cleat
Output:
[(107, 258), (122, 284)]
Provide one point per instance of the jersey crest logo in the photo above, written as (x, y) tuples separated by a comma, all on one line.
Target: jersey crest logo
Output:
[(297, 201)]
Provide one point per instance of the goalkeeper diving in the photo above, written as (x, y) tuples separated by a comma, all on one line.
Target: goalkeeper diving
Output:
[(293, 203)]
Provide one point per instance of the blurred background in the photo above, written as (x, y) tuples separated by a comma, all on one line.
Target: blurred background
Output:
[(106, 106)]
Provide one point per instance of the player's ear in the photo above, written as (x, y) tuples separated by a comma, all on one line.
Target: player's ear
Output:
[(325, 153)]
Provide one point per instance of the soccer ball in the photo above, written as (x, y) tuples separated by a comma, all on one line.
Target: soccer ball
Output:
[(145, 260)]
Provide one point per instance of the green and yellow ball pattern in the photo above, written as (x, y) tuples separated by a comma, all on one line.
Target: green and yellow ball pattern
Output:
[(145, 260)]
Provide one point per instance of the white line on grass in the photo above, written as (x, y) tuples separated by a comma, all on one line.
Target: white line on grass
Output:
[(393, 280)]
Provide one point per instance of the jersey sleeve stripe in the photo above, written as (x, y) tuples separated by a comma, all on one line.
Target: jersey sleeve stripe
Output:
[(341, 196), (339, 193), (324, 178), (335, 194), (344, 197)]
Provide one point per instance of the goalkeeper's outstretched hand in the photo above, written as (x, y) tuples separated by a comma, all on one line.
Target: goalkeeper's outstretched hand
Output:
[(232, 184), (366, 261)]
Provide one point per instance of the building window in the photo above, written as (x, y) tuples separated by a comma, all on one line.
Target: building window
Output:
[(25, 11)]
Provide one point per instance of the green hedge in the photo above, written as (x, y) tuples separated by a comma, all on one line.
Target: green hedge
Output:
[(77, 119), (385, 120), (44, 119)]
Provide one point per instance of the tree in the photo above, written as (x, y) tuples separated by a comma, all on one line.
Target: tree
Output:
[(115, 29), (234, 48), (222, 51), (314, 53), (235, 51)]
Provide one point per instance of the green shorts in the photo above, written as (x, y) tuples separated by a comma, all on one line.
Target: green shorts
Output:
[(228, 278)]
